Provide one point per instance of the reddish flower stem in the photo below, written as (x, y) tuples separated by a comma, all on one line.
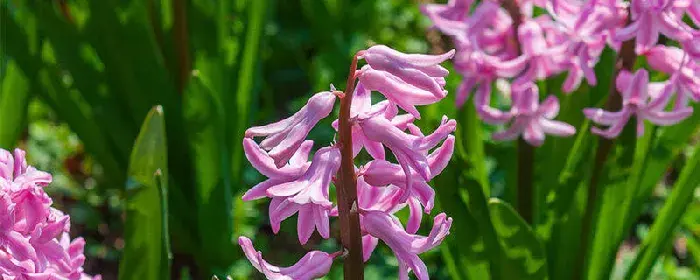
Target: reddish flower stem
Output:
[(526, 152), (625, 61), (346, 189)]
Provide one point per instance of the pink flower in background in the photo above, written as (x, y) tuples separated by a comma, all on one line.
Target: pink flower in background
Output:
[(571, 37), (297, 185), (533, 120), (684, 71), (283, 138), (32, 233), (543, 59), (651, 18), (313, 265), (454, 10), (641, 99)]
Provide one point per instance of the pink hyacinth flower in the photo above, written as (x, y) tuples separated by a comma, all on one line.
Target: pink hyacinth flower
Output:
[(283, 138), (410, 150), (362, 108), (639, 98), (685, 72), (308, 195), (29, 227), (533, 120), (543, 59), (454, 10), (405, 79), (313, 265), (585, 30), (297, 166), (14, 242), (405, 246), (651, 18)]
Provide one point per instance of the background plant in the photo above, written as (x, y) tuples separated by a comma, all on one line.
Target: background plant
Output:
[(83, 76)]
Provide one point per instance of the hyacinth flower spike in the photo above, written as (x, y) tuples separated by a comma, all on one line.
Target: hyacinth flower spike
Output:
[(297, 185), (283, 138), (313, 265), (641, 100), (32, 233)]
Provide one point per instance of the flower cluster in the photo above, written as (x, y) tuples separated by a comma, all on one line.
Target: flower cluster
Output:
[(34, 240), (297, 185), (567, 36)]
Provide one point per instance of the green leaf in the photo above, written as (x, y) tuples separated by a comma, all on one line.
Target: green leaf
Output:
[(465, 247), (606, 232), (146, 252), (661, 232), (14, 101), (523, 254), (669, 143)]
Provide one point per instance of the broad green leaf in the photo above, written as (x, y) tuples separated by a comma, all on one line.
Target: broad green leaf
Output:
[(661, 232), (71, 52), (47, 82), (523, 255), (219, 157), (605, 232), (565, 171), (466, 245), (474, 186), (146, 250), (14, 101)]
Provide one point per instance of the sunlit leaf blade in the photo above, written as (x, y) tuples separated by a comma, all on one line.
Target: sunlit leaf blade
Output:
[(523, 254), (14, 100), (661, 232), (145, 254), (605, 232)]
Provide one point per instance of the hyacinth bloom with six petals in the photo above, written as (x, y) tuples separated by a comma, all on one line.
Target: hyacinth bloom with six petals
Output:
[(641, 99), (685, 72), (313, 265), (406, 246), (533, 120), (651, 18), (404, 79), (283, 138)]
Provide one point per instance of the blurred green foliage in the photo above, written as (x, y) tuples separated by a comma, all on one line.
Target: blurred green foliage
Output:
[(79, 78)]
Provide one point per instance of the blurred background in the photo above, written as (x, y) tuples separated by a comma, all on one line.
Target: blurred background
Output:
[(79, 77)]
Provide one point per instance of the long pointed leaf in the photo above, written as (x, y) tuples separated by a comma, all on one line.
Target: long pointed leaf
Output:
[(14, 100), (668, 219), (145, 252)]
